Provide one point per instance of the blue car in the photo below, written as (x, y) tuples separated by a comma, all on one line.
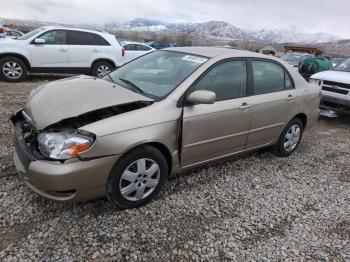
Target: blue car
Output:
[(160, 45)]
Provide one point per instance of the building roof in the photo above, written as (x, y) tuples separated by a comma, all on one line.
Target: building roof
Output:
[(277, 47)]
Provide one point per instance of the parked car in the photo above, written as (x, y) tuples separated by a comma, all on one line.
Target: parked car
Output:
[(335, 61), (2, 30), (335, 86), (134, 50), (124, 135), (160, 45), (11, 33), (59, 50), (295, 59)]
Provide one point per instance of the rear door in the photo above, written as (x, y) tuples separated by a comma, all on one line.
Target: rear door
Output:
[(84, 48), (212, 131), (272, 102), (53, 53)]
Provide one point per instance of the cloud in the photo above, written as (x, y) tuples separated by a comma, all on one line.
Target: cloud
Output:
[(306, 16)]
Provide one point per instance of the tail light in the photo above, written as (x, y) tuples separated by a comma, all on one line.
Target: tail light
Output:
[(123, 52), (2, 31)]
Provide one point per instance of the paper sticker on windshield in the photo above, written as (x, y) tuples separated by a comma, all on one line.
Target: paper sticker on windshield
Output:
[(196, 59)]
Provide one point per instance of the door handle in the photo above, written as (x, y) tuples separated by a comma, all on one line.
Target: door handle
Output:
[(62, 50), (244, 106), (290, 97), (95, 51)]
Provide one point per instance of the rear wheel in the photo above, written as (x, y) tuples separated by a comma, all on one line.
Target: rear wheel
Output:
[(137, 177), (101, 68), (290, 138), (13, 69)]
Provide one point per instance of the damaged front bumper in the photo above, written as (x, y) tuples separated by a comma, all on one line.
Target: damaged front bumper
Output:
[(69, 181)]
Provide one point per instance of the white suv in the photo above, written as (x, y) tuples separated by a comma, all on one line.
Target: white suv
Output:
[(59, 50), (335, 85)]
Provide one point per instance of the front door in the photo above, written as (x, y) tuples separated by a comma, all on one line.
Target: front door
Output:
[(222, 128), (53, 53)]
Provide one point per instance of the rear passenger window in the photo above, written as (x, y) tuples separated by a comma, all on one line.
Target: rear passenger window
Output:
[(86, 38), (142, 48), (269, 77), (288, 81), (228, 80), (130, 47)]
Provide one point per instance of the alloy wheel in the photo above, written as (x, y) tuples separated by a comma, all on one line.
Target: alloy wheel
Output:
[(139, 179), (292, 138), (12, 70), (103, 70)]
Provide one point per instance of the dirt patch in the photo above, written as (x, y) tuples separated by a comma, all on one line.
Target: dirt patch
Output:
[(13, 235)]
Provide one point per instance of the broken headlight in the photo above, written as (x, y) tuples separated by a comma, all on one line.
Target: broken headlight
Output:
[(64, 145)]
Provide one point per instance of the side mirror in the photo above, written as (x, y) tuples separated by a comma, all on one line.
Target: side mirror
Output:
[(202, 97), (39, 41)]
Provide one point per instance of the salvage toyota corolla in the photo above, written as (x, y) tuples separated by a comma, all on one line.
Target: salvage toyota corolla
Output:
[(123, 135)]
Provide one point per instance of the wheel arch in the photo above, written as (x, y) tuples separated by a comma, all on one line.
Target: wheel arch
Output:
[(19, 56), (103, 60), (159, 146), (303, 118)]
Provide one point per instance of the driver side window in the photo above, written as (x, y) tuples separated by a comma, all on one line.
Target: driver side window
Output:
[(227, 80), (55, 37)]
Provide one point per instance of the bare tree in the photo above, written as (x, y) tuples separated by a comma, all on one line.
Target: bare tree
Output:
[(165, 38), (182, 39), (135, 36)]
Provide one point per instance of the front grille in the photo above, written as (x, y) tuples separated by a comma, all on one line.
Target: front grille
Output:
[(335, 90), (331, 83)]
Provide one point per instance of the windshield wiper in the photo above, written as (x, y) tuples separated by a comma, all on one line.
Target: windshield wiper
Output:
[(132, 85), (110, 78)]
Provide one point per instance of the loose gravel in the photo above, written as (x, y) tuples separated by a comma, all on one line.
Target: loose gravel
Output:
[(252, 207)]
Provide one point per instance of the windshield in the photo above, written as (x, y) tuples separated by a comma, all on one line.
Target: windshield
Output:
[(30, 34), (292, 58), (343, 65), (157, 74)]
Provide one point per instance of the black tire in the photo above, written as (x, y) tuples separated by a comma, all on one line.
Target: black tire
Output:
[(114, 180), (13, 61), (280, 149), (97, 66)]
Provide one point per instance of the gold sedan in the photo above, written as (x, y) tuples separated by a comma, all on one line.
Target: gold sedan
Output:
[(122, 136)]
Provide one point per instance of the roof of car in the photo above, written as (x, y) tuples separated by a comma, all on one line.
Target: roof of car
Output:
[(74, 28), (216, 51), (135, 43)]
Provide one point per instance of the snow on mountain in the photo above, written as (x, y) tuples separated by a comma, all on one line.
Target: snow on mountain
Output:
[(224, 30), (217, 29), (291, 35)]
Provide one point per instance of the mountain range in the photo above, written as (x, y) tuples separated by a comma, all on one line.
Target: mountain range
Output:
[(226, 31)]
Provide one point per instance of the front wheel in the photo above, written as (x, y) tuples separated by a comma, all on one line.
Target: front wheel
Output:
[(13, 69), (137, 177), (290, 138)]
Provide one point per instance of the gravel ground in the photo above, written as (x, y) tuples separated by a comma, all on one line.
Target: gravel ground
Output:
[(252, 207)]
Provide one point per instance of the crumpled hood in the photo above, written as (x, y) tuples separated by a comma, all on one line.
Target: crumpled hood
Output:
[(334, 76), (71, 97)]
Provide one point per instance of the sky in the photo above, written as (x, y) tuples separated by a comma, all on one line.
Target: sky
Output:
[(309, 16)]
